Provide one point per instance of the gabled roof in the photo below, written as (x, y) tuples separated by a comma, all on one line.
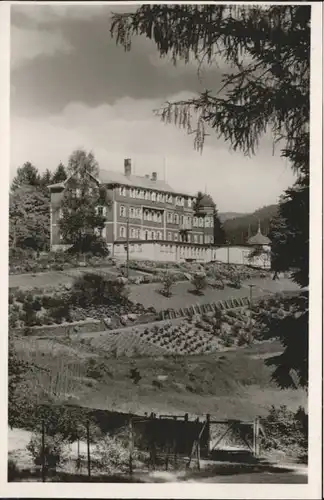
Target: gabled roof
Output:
[(109, 176), (137, 181)]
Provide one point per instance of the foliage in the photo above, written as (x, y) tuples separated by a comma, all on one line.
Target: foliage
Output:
[(90, 244), (198, 206), (96, 370), (199, 282), (29, 218), (27, 175), (53, 450), (60, 174), (113, 453), (219, 231), (240, 228), (268, 50), (287, 431), (83, 203), (16, 372), (289, 232), (168, 281), (291, 367), (94, 289)]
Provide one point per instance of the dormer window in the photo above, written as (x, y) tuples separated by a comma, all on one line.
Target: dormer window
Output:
[(153, 198), (189, 202)]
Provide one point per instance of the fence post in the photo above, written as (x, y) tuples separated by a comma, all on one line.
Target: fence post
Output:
[(257, 436), (175, 445), (208, 432), (198, 454), (88, 448), (254, 436), (43, 451), (130, 427)]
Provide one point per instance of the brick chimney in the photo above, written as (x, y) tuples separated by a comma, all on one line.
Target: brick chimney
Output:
[(127, 167), (154, 176)]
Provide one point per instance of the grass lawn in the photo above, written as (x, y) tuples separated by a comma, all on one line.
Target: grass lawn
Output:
[(57, 278), (232, 384), (148, 294)]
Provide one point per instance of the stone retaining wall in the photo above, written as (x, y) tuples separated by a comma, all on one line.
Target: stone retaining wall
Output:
[(63, 329)]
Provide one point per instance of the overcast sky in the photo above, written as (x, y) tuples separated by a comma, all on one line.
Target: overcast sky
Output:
[(72, 87)]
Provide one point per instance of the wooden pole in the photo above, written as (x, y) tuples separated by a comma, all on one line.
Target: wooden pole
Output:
[(257, 436), (167, 458), (130, 427), (88, 449), (208, 432), (198, 454), (127, 243), (254, 441), (43, 451)]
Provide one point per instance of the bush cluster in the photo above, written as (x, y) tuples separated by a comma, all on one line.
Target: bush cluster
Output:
[(286, 431), (91, 295), (27, 261)]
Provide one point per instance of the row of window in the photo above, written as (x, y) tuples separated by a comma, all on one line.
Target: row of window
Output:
[(102, 233), (157, 235), (172, 218), (100, 210), (155, 196)]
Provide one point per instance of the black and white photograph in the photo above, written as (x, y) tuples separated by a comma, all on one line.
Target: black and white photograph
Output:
[(164, 259)]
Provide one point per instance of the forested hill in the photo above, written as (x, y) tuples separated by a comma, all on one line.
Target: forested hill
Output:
[(237, 228)]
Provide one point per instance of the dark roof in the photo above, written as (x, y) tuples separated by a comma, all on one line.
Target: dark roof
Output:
[(259, 239), (207, 201), (137, 181), (109, 176)]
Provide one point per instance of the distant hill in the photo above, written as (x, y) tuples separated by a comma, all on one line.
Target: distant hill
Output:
[(237, 228), (224, 216)]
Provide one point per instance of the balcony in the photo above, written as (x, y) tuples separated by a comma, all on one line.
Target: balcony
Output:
[(186, 226)]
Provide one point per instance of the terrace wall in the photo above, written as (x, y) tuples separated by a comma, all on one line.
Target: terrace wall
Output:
[(64, 329), (166, 251)]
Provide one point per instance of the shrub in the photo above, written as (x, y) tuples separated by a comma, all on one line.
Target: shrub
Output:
[(286, 431), (94, 289), (13, 470), (199, 282), (168, 281), (53, 452)]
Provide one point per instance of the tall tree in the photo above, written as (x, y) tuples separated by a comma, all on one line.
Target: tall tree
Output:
[(60, 174), (289, 232), (84, 203), (29, 218), (267, 51), (219, 231), (83, 163), (46, 180), (198, 205), (27, 175), (265, 89)]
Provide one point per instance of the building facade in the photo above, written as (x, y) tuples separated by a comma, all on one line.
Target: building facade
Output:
[(142, 209)]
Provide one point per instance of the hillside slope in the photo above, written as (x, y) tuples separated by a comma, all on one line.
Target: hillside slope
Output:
[(232, 384), (237, 229)]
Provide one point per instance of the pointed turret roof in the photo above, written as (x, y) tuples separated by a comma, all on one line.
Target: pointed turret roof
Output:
[(259, 238)]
